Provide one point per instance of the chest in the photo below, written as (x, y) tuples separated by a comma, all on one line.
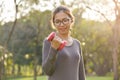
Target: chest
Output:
[(69, 54)]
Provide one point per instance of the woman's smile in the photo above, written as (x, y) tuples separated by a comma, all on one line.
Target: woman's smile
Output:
[(63, 28)]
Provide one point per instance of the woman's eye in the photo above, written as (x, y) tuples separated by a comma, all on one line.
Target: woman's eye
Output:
[(65, 20), (57, 21)]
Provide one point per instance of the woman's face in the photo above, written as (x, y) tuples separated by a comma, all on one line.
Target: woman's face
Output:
[(62, 23)]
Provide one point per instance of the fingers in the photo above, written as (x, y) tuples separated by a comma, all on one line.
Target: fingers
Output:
[(58, 39), (55, 43)]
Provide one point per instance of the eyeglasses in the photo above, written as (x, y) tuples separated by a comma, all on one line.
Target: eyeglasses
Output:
[(64, 21)]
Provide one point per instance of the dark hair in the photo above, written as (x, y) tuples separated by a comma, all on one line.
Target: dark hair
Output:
[(63, 8)]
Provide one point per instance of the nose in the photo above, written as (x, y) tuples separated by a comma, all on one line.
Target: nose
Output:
[(61, 24)]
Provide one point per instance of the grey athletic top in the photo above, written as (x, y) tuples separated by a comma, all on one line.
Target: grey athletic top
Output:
[(66, 64)]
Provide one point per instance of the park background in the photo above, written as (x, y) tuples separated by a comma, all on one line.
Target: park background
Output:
[(25, 23)]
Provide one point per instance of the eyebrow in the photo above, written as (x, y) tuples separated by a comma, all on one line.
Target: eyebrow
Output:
[(62, 19)]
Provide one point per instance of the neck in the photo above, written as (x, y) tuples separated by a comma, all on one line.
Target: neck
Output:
[(64, 36), (67, 38)]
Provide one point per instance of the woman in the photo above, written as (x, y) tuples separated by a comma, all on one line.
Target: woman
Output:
[(67, 63)]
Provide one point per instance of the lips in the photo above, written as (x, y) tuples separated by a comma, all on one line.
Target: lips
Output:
[(63, 28)]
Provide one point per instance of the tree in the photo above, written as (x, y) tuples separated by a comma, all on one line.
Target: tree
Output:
[(42, 28), (115, 33), (17, 8)]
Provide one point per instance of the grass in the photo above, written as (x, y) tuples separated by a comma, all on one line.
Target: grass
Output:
[(99, 78), (30, 78), (45, 78)]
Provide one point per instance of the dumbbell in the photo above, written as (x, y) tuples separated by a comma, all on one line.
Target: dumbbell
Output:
[(51, 37)]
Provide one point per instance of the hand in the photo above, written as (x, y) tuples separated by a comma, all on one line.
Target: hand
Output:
[(55, 43)]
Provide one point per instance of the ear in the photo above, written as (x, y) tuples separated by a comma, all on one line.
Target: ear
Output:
[(71, 21), (71, 24), (52, 25)]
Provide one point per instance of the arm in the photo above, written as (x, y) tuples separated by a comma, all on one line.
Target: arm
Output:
[(49, 55), (81, 66)]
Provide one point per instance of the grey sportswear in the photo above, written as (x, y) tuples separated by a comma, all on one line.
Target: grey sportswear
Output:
[(66, 64)]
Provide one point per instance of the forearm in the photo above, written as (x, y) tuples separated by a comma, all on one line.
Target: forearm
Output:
[(49, 63), (49, 59)]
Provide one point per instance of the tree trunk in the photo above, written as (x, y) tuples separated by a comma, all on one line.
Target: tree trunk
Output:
[(36, 59), (19, 70), (35, 70), (115, 59), (13, 69), (116, 39), (115, 49), (1, 70)]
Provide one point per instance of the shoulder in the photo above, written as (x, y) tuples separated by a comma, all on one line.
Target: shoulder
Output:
[(76, 41)]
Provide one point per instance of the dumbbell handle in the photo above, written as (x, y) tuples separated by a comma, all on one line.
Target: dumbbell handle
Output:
[(62, 45), (50, 38)]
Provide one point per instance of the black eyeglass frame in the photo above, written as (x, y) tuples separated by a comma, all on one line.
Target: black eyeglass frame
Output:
[(64, 21)]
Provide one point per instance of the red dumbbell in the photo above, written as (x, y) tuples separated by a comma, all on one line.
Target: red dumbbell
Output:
[(51, 37)]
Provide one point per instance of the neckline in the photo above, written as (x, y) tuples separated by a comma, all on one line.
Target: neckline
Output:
[(71, 43)]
